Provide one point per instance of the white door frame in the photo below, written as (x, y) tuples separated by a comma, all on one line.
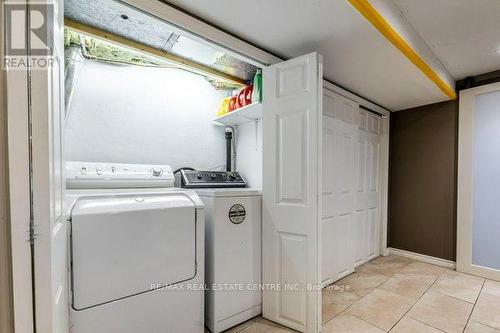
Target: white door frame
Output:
[(465, 184), (18, 152)]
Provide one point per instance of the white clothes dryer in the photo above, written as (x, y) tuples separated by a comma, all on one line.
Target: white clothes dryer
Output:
[(136, 250)]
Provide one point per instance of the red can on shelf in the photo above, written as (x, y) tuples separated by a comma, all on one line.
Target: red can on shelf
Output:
[(245, 96)]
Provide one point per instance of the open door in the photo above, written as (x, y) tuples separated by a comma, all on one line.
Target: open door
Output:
[(50, 259), (292, 98)]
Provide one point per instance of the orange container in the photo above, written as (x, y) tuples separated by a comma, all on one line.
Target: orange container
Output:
[(233, 104)]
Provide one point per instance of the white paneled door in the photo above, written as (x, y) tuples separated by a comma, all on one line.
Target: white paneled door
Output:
[(339, 185), (351, 186), (368, 198), (291, 186)]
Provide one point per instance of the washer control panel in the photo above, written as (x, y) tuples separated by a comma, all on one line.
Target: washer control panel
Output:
[(204, 179), (92, 175)]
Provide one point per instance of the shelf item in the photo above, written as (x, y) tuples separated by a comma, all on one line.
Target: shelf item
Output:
[(251, 112)]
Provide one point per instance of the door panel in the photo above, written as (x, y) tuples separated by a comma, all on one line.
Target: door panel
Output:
[(478, 249), (340, 221), (368, 197), (351, 187), (291, 157), (291, 174)]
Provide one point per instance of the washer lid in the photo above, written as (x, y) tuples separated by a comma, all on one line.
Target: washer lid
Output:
[(127, 244), (228, 192)]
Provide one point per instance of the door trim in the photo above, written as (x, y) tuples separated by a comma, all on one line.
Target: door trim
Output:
[(16, 88), (465, 183)]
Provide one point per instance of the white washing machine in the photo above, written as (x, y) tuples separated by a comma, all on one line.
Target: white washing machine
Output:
[(233, 256), (137, 250)]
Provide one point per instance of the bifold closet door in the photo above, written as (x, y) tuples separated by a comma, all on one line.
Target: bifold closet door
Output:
[(339, 186), (367, 234), (291, 181), (351, 187)]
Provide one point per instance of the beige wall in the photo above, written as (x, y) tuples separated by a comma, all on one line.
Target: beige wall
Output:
[(5, 276)]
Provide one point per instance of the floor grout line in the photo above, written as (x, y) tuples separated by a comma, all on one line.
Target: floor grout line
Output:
[(380, 328), (456, 298), (474, 305), (478, 322), (425, 292), (258, 319), (362, 297), (440, 330)]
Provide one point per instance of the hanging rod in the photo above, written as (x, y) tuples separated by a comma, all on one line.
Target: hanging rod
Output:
[(370, 110)]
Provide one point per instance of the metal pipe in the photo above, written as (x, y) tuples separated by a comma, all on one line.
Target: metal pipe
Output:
[(229, 138)]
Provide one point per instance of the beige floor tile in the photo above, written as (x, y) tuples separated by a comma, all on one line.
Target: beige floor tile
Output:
[(381, 308), (422, 268), (443, 312), (384, 268), (265, 326), (462, 286), (487, 310), (334, 302), (392, 258), (473, 327), (410, 325), (409, 285), (492, 288), (361, 283), (240, 327), (387, 266), (349, 324)]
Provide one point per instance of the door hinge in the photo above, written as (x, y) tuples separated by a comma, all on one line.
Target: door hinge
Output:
[(32, 230)]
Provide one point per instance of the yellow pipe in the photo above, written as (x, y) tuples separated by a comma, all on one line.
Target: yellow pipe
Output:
[(378, 21)]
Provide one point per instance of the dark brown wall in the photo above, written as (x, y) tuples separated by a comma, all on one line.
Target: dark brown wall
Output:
[(422, 180)]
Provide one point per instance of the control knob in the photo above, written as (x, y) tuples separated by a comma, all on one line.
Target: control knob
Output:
[(157, 172)]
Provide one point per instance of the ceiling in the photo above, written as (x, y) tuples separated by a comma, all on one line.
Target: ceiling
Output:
[(464, 34), (358, 57), (109, 16)]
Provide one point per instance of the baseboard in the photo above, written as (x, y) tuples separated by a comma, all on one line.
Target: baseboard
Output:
[(422, 257)]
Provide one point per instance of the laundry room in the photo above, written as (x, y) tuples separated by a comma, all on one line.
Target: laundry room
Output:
[(182, 166), (158, 120)]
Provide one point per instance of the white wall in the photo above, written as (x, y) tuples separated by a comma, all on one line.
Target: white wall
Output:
[(134, 114), (249, 153)]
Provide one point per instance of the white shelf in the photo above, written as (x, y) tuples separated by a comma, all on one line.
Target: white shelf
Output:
[(251, 112)]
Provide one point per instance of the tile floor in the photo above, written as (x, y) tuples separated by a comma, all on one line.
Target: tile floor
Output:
[(400, 295)]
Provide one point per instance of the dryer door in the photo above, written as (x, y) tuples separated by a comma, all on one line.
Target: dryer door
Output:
[(126, 245)]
